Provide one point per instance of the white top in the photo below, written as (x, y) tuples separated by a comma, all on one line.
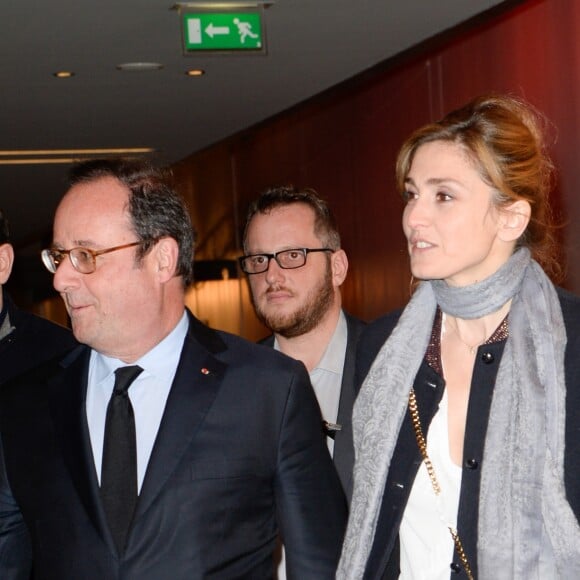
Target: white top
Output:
[(148, 395), (426, 544)]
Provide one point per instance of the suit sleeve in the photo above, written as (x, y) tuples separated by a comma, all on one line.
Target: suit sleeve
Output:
[(311, 506), (15, 551)]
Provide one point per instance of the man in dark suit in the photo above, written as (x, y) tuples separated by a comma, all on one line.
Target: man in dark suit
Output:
[(191, 470), (26, 340), (295, 268)]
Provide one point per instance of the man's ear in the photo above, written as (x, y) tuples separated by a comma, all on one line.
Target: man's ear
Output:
[(166, 255), (513, 220), (339, 264), (6, 262)]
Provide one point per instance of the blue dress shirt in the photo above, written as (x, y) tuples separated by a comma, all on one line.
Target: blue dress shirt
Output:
[(148, 394)]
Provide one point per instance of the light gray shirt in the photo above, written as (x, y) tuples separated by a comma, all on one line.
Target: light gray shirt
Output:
[(326, 377)]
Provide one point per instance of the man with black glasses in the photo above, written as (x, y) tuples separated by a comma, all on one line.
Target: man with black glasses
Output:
[(295, 268), (159, 449)]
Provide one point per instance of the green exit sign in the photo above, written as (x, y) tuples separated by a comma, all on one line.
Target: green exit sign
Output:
[(234, 31)]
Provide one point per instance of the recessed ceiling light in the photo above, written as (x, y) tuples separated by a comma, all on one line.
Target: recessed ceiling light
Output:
[(63, 74), (139, 66), (194, 72)]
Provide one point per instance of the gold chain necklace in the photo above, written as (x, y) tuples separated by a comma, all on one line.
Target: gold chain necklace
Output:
[(421, 443), (471, 347)]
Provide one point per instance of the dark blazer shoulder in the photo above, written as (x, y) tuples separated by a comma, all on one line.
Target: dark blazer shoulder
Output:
[(231, 348), (32, 341), (378, 331), (267, 341), (570, 304), (355, 326), (372, 338), (343, 445)]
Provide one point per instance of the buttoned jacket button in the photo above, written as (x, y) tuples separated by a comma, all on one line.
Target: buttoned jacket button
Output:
[(472, 464), (487, 357), (455, 567)]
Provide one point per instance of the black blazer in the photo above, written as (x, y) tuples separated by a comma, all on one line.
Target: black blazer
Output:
[(343, 455), (30, 341), (383, 562), (239, 457)]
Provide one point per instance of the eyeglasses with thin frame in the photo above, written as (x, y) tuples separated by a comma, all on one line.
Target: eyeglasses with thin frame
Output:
[(84, 260), (286, 259)]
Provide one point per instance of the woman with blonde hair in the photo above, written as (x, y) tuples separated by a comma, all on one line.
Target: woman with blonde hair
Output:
[(466, 426)]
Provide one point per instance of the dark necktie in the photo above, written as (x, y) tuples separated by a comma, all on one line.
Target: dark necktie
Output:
[(119, 468)]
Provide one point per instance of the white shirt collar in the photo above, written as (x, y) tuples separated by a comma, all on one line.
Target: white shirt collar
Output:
[(160, 361)]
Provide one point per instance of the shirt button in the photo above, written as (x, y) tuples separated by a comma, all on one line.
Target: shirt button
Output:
[(455, 568), (472, 464), (487, 358)]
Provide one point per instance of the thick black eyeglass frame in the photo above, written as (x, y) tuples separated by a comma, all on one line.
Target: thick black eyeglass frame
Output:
[(274, 256)]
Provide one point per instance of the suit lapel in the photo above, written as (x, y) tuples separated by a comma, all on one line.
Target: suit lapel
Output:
[(68, 408), (343, 455), (197, 381)]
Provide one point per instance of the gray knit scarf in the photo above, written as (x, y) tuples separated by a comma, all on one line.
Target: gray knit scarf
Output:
[(525, 521)]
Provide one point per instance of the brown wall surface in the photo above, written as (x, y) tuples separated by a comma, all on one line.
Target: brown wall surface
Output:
[(343, 144)]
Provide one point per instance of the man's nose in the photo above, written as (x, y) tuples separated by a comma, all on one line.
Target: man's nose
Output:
[(65, 276), (274, 271)]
